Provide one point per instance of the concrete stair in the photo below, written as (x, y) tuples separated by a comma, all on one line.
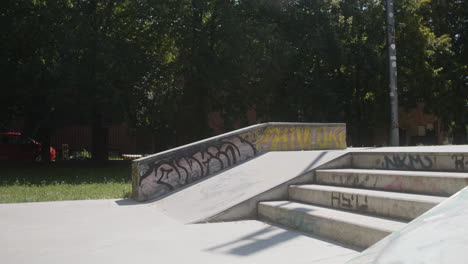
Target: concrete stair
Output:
[(388, 204), (362, 204), (423, 182), (350, 228)]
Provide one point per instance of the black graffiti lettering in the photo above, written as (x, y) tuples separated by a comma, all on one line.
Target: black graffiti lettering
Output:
[(389, 163), (346, 202), (429, 162), (407, 161), (184, 169), (402, 160), (413, 160), (164, 174), (335, 198), (459, 162)]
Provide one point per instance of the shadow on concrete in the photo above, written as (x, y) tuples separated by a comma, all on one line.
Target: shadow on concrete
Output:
[(255, 242), (128, 201), (265, 238), (314, 162)]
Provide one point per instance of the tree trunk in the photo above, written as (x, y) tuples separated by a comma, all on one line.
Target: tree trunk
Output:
[(99, 139), (45, 150), (459, 132)]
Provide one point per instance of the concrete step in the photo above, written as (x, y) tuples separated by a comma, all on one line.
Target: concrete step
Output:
[(350, 228), (389, 204), (425, 161), (423, 182)]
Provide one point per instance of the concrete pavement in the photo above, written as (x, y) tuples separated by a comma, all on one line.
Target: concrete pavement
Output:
[(123, 231), (111, 231)]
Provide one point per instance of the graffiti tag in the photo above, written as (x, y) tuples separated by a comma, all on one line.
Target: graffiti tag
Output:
[(407, 161), (348, 201), (167, 175), (459, 162)]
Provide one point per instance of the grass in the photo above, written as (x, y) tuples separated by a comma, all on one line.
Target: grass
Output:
[(64, 181)]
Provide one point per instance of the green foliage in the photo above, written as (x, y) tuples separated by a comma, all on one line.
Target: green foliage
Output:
[(66, 181), (81, 155), (165, 65)]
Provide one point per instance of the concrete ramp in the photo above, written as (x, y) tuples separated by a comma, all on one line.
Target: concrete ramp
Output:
[(157, 175), (239, 189), (438, 236)]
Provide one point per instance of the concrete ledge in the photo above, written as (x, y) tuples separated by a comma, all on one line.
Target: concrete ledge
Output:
[(422, 182), (387, 204), (404, 160), (156, 175)]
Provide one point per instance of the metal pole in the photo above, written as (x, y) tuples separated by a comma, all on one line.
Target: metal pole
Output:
[(394, 126)]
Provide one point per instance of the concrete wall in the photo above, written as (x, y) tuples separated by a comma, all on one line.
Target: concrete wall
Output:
[(159, 174)]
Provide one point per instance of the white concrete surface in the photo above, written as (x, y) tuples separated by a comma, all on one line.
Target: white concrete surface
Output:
[(103, 231), (216, 194), (438, 236)]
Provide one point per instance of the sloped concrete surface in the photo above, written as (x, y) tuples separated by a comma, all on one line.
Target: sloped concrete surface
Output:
[(112, 231), (438, 236), (229, 188)]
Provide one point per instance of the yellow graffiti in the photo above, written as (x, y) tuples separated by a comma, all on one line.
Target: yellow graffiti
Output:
[(298, 138)]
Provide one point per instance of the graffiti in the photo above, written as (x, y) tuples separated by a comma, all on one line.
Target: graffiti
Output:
[(300, 138), (459, 162), (406, 161), (162, 173), (396, 185), (299, 222), (413, 184), (362, 180), (166, 175), (348, 201)]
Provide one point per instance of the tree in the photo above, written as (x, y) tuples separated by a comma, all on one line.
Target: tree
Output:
[(449, 98)]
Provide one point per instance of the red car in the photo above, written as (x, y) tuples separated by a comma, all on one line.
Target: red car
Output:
[(16, 147)]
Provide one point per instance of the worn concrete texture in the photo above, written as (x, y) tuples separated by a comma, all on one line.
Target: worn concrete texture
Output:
[(424, 182), (124, 231), (388, 204), (352, 228), (113, 231), (225, 190), (156, 175), (444, 148), (438, 236)]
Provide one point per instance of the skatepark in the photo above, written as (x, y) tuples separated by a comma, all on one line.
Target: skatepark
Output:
[(270, 193)]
